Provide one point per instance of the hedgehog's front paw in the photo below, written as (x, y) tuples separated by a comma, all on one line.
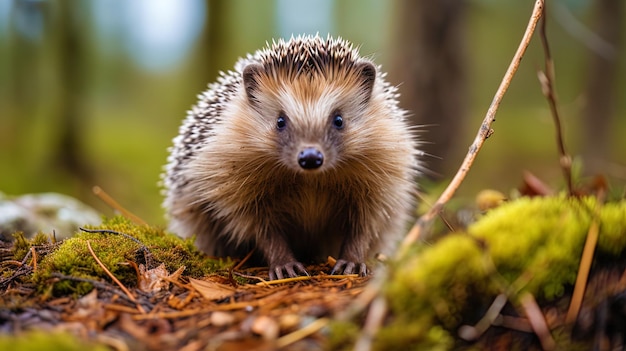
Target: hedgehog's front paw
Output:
[(276, 271), (348, 267)]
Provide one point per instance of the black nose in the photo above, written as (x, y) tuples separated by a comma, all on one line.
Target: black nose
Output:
[(310, 158)]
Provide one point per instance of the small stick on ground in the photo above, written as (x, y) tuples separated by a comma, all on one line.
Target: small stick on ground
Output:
[(119, 283), (95, 283), (25, 259), (586, 260), (34, 254), (243, 261), (375, 318), (469, 333), (483, 133), (546, 79), (116, 206), (537, 321), (142, 248), (107, 231), (302, 333)]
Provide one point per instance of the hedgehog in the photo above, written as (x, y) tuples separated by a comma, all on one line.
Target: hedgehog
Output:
[(302, 152)]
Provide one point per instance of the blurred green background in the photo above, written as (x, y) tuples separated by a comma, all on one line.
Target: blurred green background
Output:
[(93, 91)]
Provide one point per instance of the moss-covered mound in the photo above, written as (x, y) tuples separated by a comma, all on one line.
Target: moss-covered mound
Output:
[(39, 340), (120, 245), (529, 245)]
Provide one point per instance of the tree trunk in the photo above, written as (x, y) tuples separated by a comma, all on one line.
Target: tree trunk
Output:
[(68, 154), (429, 64), (601, 93)]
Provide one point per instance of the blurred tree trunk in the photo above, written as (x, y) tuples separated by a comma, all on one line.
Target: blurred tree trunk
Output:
[(212, 42), (29, 20), (430, 63), (601, 92), (233, 28), (71, 112)]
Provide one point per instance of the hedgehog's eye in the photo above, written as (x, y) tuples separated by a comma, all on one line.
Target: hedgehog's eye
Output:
[(281, 122), (338, 120)]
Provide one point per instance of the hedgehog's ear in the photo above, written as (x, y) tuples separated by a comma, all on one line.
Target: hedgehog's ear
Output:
[(367, 72), (251, 74)]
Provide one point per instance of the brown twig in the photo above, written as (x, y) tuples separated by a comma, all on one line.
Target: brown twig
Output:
[(546, 79), (25, 259), (301, 333), (373, 322), (142, 247), (116, 206), (586, 260), (468, 332), (514, 323), (95, 283), (243, 260), (108, 231), (119, 283), (307, 277), (583, 272), (34, 254), (483, 133), (537, 321)]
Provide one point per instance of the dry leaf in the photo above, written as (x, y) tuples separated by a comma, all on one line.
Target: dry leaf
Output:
[(211, 290), (153, 280)]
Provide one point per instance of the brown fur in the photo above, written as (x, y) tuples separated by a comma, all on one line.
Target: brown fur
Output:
[(241, 186)]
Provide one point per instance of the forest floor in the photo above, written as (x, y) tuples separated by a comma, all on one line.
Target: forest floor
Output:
[(170, 311), (524, 275)]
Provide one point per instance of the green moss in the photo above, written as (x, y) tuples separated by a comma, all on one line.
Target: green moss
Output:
[(539, 236), (544, 237), (38, 340), (342, 335), (21, 245), (72, 258), (40, 239), (430, 291), (438, 273), (410, 335), (612, 237), (451, 282)]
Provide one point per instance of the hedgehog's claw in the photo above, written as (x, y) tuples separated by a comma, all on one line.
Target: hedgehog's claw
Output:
[(348, 267), (276, 272)]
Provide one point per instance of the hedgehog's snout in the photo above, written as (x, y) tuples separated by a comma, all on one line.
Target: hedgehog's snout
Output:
[(310, 158)]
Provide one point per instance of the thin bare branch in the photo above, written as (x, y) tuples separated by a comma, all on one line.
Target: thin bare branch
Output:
[(586, 260), (483, 133), (119, 283), (106, 198), (537, 321), (468, 332), (375, 317), (301, 333), (546, 80)]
